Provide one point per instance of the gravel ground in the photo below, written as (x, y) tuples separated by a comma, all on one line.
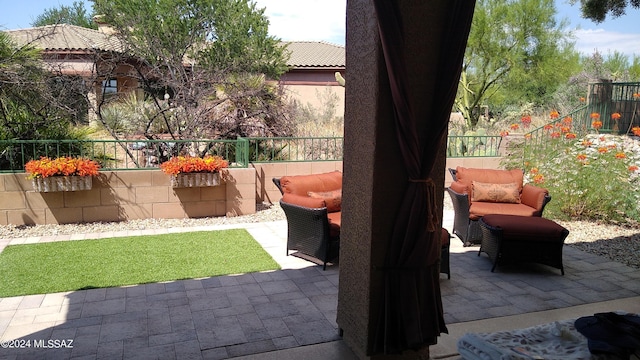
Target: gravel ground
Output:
[(617, 243)]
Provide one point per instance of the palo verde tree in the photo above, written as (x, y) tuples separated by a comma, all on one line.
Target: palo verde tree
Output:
[(516, 53), (75, 14), (597, 10), (204, 67)]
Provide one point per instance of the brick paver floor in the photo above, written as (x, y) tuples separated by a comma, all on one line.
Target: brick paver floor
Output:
[(228, 316)]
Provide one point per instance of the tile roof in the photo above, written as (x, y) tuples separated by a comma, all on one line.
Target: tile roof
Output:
[(64, 37), (315, 54)]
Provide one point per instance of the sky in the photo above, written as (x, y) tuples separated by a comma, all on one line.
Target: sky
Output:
[(324, 20)]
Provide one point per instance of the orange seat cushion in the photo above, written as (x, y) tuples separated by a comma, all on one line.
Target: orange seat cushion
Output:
[(479, 209)]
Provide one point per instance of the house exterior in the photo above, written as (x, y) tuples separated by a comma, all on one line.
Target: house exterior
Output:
[(77, 51), (71, 50), (312, 72)]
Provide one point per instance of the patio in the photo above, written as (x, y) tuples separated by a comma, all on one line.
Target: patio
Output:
[(291, 313)]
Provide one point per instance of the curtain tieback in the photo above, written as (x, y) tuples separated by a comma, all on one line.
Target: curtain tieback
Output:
[(427, 181), (431, 202)]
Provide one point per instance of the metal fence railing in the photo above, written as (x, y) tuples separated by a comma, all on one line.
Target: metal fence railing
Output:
[(139, 154), (272, 149), (473, 146), (604, 99), (120, 154), (145, 154)]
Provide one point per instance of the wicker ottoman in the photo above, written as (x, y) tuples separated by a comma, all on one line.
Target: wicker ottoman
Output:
[(520, 239)]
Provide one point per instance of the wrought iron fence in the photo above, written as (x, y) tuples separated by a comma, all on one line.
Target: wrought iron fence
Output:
[(273, 149), (145, 154), (473, 146), (120, 154)]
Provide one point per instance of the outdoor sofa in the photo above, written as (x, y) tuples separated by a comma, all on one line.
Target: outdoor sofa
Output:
[(478, 192), (312, 205)]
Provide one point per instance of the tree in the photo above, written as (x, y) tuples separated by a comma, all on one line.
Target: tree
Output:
[(34, 103), (516, 53), (75, 14), (203, 65), (597, 10)]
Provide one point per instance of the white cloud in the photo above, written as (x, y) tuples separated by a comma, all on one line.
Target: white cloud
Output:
[(606, 42), (313, 20)]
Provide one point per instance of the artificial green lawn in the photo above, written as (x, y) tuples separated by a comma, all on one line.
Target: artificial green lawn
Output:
[(73, 265)]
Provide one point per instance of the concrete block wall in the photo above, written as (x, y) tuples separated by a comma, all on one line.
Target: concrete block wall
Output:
[(141, 194), (125, 195)]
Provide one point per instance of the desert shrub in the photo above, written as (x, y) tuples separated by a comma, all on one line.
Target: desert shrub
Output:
[(595, 178), (322, 120)]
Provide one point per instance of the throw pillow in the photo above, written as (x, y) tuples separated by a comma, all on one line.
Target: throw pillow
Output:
[(497, 193), (303, 201), (333, 199)]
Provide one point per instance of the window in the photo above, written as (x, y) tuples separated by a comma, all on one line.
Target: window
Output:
[(110, 86)]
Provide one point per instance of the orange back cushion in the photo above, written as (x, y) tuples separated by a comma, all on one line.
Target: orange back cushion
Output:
[(468, 175), (302, 184)]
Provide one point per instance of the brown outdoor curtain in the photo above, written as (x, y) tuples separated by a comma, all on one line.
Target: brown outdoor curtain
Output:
[(411, 313)]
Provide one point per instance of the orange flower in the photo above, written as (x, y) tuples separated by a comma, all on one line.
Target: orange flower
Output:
[(570, 135), (633, 168), (581, 157), (514, 126), (548, 127), (586, 143), (555, 135), (567, 120), (62, 166), (526, 120), (597, 124), (616, 116), (636, 130), (595, 115), (603, 150), (565, 129), (527, 136), (534, 170), (538, 179), (582, 99), (191, 164), (504, 133), (621, 155), (554, 114), (636, 95)]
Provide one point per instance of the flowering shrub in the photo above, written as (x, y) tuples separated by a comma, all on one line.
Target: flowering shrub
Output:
[(62, 166), (596, 177), (192, 164)]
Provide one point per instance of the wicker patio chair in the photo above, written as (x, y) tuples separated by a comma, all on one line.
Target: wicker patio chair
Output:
[(309, 232), (464, 227)]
